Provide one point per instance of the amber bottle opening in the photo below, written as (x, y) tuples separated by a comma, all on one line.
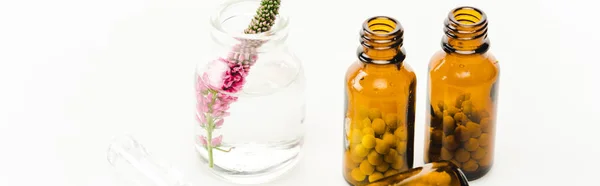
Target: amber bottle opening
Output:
[(381, 41), (466, 31)]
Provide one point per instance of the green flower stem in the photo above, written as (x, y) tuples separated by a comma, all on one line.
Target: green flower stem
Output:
[(209, 129), (209, 143)]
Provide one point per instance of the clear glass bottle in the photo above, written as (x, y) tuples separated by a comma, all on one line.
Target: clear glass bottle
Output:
[(462, 95), (380, 105), (442, 173), (250, 98)]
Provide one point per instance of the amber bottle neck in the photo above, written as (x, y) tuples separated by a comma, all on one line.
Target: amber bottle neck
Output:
[(381, 41), (466, 31)]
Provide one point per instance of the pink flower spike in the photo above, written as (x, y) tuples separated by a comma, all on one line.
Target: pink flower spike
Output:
[(203, 140), (217, 141), (219, 123)]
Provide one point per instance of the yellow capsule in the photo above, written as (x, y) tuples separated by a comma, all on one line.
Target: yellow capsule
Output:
[(390, 172), (401, 147), (452, 111), (364, 123), (355, 136), (470, 166), (382, 167), (461, 155), (378, 126), (374, 158), (374, 113), (368, 141), (366, 167), (381, 147), (391, 156), (375, 176), (401, 134), (471, 145), (390, 139), (391, 120), (358, 175), (398, 163), (486, 125), (360, 151), (460, 117), (368, 131), (486, 161), (356, 159), (462, 133), (449, 124), (450, 142), (474, 129), (484, 140), (446, 154), (478, 154)]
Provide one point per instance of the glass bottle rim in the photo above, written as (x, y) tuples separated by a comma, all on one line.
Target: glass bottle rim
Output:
[(277, 32)]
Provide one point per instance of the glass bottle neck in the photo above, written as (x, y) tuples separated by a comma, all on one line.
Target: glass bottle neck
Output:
[(381, 41), (466, 31)]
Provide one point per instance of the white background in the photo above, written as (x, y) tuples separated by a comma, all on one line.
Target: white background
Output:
[(73, 73)]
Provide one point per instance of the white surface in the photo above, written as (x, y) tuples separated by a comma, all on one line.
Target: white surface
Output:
[(75, 72)]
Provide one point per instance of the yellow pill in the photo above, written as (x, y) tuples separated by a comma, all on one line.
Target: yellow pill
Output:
[(450, 142), (382, 167), (368, 131), (460, 117), (374, 158), (364, 123), (391, 120), (356, 159), (486, 125), (356, 136), (378, 126), (398, 163), (486, 161), (446, 154), (374, 113), (474, 129), (462, 133), (470, 166), (401, 133), (390, 139), (390, 172), (358, 175), (360, 151), (381, 147), (478, 154), (375, 176), (391, 156), (452, 110), (484, 140), (366, 167), (401, 147), (471, 145), (368, 141), (461, 155), (449, 124)]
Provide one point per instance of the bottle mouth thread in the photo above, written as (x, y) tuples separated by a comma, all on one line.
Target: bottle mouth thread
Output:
[(466, 31), (381, 38)]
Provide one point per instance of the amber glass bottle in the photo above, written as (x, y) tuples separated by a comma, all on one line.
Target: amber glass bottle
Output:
[(379, 105), (442, 173), (462, 93)]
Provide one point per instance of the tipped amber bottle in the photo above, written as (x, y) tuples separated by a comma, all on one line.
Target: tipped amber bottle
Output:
[(442, 173), (379, 105), (462, 93)]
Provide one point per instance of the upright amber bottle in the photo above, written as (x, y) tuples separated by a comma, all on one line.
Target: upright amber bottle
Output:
[(442, 173), (462, 93), (380, 105)]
